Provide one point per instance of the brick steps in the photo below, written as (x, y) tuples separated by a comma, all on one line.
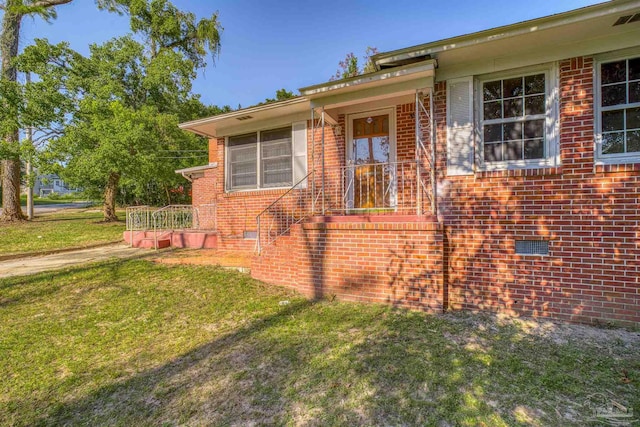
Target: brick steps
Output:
[(149, 243), (194, 239)]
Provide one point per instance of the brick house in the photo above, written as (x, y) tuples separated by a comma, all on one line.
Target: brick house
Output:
[(495, 171)]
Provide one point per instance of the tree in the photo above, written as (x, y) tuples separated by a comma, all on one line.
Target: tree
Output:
[(281, 95), (130, 98), (349, 67), (13, 13)]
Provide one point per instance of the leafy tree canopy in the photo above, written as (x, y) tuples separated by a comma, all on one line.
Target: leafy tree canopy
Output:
[(123, 103), (110, 113), (350, 66)]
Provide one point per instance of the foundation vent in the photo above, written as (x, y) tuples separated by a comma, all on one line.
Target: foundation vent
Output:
[(532, 247)]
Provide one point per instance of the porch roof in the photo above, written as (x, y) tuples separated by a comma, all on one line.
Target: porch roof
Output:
[(245, 119), (392, 82)]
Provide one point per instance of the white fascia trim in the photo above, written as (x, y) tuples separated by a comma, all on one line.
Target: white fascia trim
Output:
[(188, 173), (377, 77), (520, 28)]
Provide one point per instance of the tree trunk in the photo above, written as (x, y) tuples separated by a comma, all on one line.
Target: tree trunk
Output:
[(110, 197), (168, 193), (11, 210)]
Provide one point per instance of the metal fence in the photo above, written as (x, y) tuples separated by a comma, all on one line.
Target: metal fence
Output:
[(171, 217)]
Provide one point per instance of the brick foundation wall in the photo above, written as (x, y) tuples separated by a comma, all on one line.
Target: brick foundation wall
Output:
[(396, 263), (588, 214)]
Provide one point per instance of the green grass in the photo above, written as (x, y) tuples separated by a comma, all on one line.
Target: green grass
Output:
[(39, 201), (135, 343), (69, 228)]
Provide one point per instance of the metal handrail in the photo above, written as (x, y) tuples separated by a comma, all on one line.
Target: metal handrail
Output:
[(289, 219), (138, 218), (143, 218), (173, 217)]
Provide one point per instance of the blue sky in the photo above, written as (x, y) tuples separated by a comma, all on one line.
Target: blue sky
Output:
[(268, 45)]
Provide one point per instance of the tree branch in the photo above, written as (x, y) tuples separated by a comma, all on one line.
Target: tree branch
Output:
[(49, 3)]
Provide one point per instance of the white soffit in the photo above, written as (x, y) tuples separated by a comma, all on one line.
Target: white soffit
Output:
[(247, 118)]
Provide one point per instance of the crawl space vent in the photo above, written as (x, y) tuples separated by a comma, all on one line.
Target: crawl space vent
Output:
[(532, 247), (250, 234)]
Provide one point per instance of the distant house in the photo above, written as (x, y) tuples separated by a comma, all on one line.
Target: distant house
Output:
[(51, 183), (495, 171)]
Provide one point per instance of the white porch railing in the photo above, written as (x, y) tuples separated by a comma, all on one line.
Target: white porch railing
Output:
[(173, 217), (391, 187), (138, 218)]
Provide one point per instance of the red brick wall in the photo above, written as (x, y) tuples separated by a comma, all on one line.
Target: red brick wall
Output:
[(235, 212), (590, 217), (397, 263)]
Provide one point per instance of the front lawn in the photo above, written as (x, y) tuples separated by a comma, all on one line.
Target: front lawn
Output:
[(39, 201), (137, 343), (68, 228)]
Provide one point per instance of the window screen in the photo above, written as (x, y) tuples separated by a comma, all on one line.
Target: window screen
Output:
[(276, 164), (242, 161)]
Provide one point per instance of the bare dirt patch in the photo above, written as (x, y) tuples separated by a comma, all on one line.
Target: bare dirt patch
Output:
[(205, 257)]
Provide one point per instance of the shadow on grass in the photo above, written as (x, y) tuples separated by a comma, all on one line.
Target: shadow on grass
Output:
[(155, 394), (319, 363), (29, 287)]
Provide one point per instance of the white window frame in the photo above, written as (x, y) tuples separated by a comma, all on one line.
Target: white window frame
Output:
[(618, 158), (552, 122), (259, 185)]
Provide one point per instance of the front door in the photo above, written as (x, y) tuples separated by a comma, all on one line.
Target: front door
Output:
[(370, 173)]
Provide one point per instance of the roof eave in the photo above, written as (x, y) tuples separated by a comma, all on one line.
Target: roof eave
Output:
[(242, 112), (512, 30), (367, 79)]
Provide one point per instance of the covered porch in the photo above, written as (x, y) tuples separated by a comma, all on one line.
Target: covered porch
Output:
[(372, 152)]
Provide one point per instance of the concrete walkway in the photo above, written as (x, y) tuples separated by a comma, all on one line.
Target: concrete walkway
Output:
[(38, 264), (40, 209), (44, 209)]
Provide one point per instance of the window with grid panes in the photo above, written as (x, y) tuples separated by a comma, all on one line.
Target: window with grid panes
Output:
[(513, 114), (619, 108)]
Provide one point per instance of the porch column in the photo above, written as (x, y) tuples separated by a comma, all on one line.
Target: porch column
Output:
[(432, 135), (323, 183)]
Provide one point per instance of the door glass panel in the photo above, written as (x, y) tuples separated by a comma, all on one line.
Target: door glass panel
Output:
[(370, 156)]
